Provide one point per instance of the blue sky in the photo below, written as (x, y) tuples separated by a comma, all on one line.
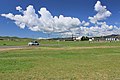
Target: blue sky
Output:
[(81, 9)]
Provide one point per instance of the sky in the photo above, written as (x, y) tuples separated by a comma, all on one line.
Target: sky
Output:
[(57, 18)]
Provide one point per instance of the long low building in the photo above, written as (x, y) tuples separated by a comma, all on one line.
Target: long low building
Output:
[(108, 38)]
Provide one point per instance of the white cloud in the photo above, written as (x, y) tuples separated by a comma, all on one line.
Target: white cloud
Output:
[(100, 30), (19, 9), (102, 13), (85, 23), (47, 23)]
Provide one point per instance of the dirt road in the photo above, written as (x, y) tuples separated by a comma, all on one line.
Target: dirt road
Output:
[(5, 48)]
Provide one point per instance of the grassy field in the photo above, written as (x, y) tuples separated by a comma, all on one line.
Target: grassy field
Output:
[(13, 43), (58, 44), (62, 61)]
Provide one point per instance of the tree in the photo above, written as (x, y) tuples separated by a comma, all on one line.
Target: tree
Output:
[(84, 38)]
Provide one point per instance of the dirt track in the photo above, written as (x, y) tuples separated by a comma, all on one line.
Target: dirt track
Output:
[(6, 48), (76, 48)]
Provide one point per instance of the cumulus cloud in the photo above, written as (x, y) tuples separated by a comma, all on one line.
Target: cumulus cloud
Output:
[(102, 13), (85, 23), (102, 30), (19, 9), (47, 23)]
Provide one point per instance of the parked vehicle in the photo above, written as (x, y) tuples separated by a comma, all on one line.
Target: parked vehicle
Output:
[(33, 43)]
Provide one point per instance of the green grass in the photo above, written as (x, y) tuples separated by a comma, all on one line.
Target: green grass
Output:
[(51, 63), (48, 43), (13, 43)]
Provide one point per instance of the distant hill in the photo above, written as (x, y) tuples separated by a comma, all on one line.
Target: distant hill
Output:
[(113, 35), (13, 38)]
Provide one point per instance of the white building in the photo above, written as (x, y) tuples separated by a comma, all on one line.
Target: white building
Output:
[(112, 39), (78, 38)]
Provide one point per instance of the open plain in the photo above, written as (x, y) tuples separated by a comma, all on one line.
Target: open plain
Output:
[(61, 61)]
